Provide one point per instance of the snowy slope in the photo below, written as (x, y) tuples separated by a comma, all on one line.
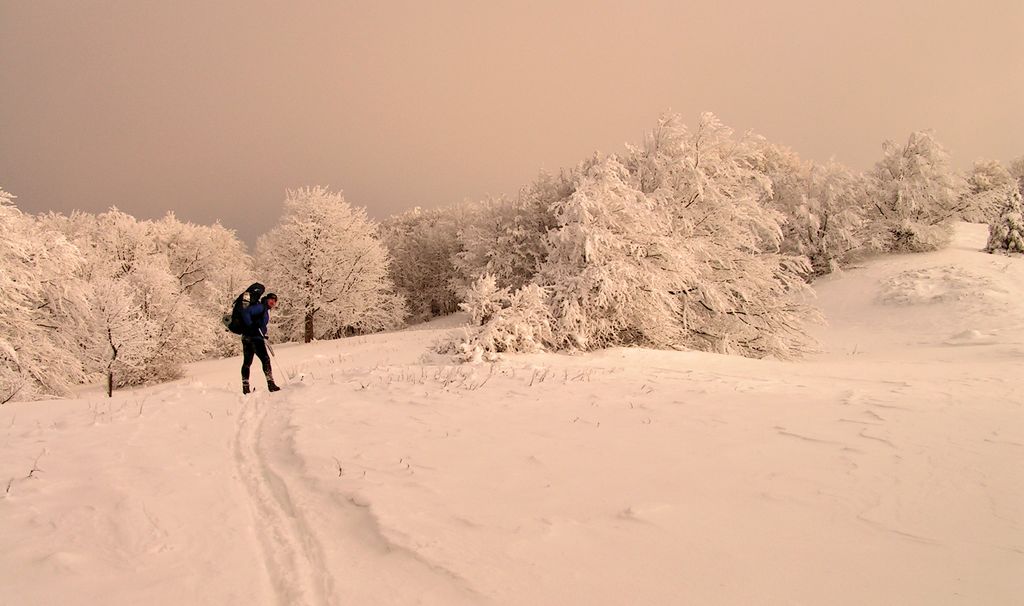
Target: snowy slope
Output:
[(885, 469)]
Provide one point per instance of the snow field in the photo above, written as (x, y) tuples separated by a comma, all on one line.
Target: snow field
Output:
[(884, 469)]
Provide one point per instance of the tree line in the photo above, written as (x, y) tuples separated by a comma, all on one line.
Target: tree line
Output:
[(694, 238)]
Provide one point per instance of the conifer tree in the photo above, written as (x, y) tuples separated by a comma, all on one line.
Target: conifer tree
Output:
[(1006, 234)]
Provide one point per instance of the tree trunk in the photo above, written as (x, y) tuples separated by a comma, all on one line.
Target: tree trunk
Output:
[(110, 366), (308, 336)]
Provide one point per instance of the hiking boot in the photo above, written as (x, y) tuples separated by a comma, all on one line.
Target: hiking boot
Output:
[(245, 388), (271, 386)]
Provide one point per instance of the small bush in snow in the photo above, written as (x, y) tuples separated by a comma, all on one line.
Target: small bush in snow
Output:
[(525, 326), (908, 236), (483, 299)]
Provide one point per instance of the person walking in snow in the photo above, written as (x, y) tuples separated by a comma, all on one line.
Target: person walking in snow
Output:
[(254, 340)]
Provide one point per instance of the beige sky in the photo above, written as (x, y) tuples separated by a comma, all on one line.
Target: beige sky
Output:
[(212, 109)]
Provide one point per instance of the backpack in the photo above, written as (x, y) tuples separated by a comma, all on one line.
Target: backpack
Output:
[(233, 321)]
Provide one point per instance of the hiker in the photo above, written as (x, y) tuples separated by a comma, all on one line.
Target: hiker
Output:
[(254, 334)]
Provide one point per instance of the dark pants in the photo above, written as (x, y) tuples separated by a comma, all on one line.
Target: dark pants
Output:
[(255, 347)]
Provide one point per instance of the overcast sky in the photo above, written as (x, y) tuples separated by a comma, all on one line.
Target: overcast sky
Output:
[(213, 108)]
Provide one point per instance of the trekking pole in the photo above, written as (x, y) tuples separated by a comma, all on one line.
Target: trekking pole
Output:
[(270, 349)]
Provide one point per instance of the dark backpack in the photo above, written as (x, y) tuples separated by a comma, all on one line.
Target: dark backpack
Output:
[(251, 296)]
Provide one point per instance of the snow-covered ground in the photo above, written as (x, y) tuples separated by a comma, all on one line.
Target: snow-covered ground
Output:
[(887, 469)]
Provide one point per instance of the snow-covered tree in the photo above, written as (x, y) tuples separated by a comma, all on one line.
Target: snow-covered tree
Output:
[(329, 269), (987, 175), (43, 308), (820, 205), (119, 347), (1016, 170), (612, 269), (913, 196), (211, 267), (742, 294), (422, 245), (1006, 234), (786, 172), (670, 246), (507, 237), (984, 197), (152, 330)]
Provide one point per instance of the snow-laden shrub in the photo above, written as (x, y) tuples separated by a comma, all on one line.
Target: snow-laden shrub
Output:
[(908, 236), (1006, 234), (983, 199), (670, 246), (820, 203), (524, 326), (913, 196), (483, 299), (741, 293), (613, 269)]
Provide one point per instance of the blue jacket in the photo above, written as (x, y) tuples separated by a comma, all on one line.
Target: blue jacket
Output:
[(255, 318)]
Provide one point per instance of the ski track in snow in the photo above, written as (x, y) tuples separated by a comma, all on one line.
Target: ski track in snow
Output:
[(291, 553), (298, 567)]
